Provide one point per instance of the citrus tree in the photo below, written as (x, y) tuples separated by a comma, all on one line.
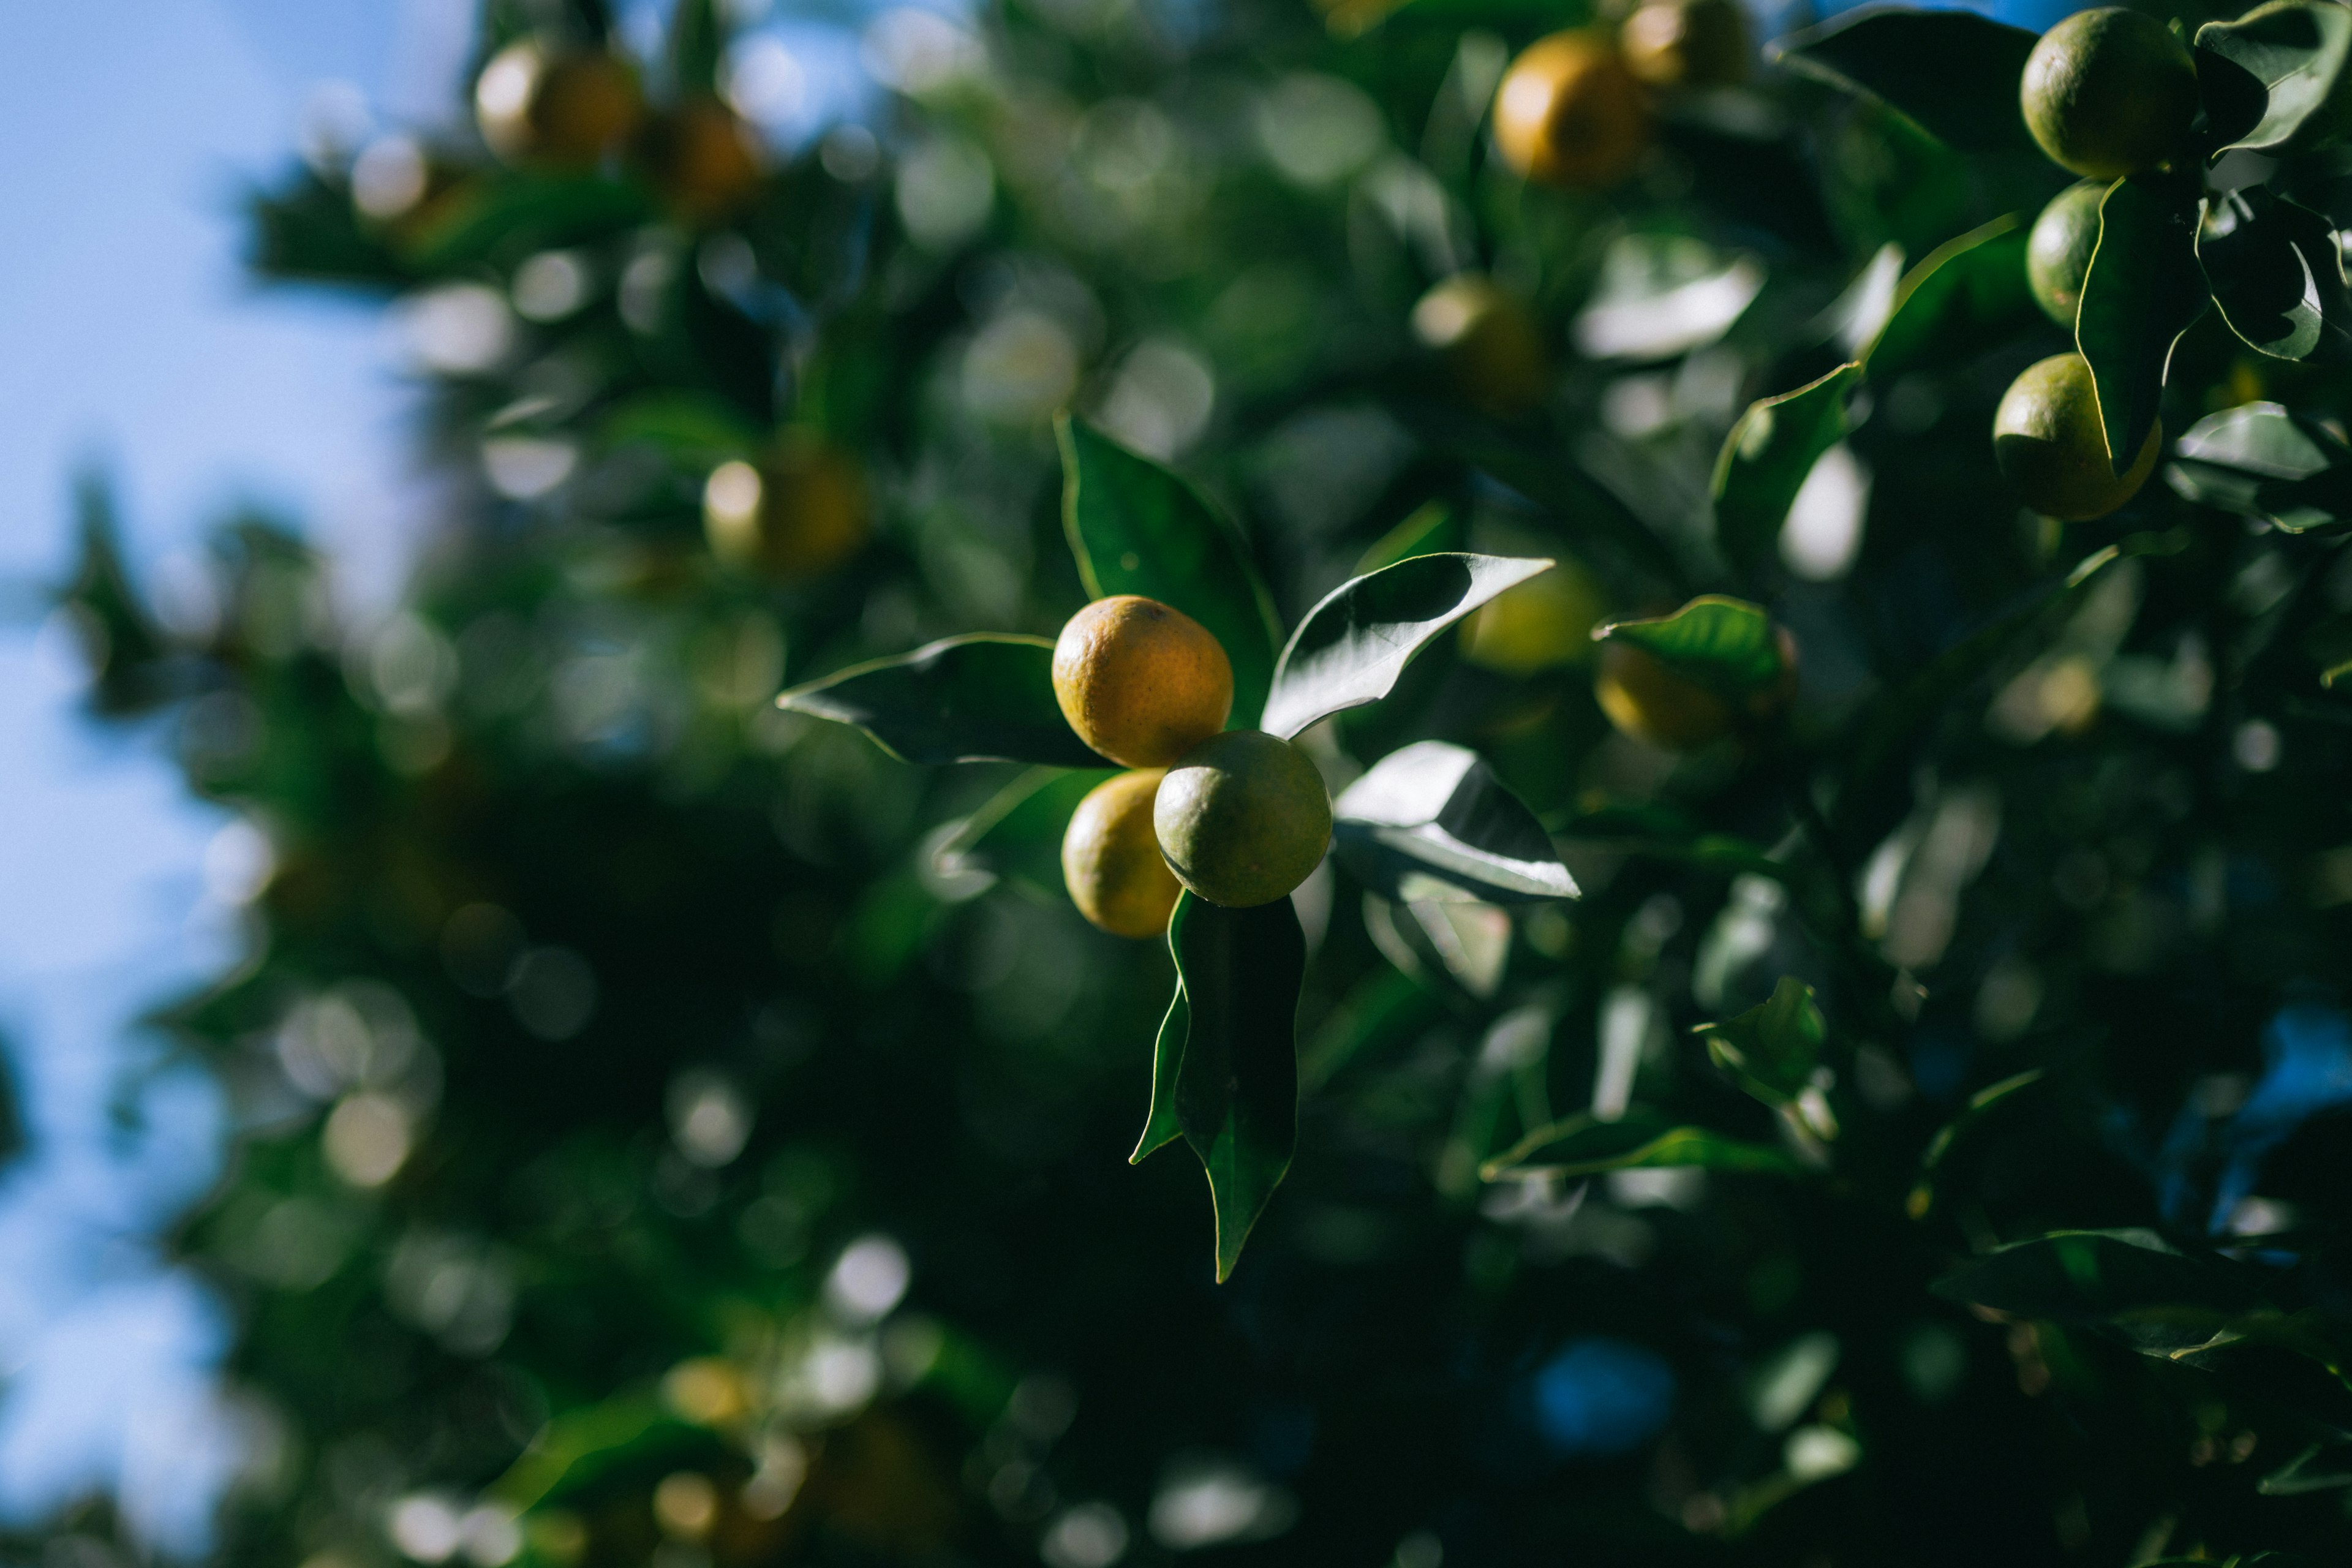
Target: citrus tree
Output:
[(1672, 701)]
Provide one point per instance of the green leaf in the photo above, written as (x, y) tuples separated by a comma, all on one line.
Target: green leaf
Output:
[(1236, 1086), (697, 42), (963, 700), (2128, 1282), (1160, 1124), (2141, 293), (2329, 644), (2276, 273), (1136, 528), (1432, 822), (1965, 295), (1922, 1195), (1019, 828), (1432, 528), (1952, 73), (508, 218), (694, 429), (2270, 78), (1727, 645), (1766, 458), (1772, 1049), (1582, 1146), (2323, 1466), (580, 1447), (1352, 647), (2260, 459)]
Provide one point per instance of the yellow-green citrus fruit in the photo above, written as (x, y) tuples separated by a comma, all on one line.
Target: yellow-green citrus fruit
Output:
[(1139, 682), (1686, 43), (1569, 113), (544, 105), (2058, 251), (2109, 92), (1487, 339), (1242, 818), (1540, 624), (703, 161), (1111, 861), (2051, 446), (801, 511), (1645, 698)]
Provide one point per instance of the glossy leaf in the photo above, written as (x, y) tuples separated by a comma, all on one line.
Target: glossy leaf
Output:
[(1772, 1049), (1020, 827), (1953, 73), (1432, 822), (1582, 1146), (2260, 459), (2270, 79), (1352, 647), (1236, 1083), (1160, 1125), (1767, 457), (962, 700), (2141, 293), (2126, 1281), (2276, 273), (1136, 528), (1963, 296), (1726, 645)]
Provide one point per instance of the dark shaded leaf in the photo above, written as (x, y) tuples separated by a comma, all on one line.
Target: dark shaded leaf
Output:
[(1772, 1049), (2143, 290), (963, 700), (1352, 647), (2321, 1467), (2260, 459), (1953, 73), (2270, 78), (1136, 528), (1582, 1146), (698, 41), (1766, 458), (1922, 1195), (2127, 1282), (2329, 644), (1965, 295), (1236, 1087), (1160, 1125), (1019, 829), (2276, 273), (582, 1447), (1726, 645), (1432, 528), (1432, 822)]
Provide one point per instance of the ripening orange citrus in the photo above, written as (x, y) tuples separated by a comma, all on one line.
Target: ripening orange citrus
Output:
[(1141, 682), (1111, 861), (1569, 113), (543, 104), (800, 511)]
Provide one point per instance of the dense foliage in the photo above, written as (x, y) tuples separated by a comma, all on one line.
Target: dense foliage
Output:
[(671, 1127)]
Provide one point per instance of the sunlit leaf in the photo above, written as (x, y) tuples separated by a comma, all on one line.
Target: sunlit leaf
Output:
[(2143, 291), (1162, 1125), (1236, 1087), (1952, 72), (1352, 647), (2260, 459), (2129, 1281), (962, 700), (1766, 458), (1727, 645), (2270, 78), (1584, 1145), (1772, 1049), (1136, 528), (1964, 296), (1432, 822)]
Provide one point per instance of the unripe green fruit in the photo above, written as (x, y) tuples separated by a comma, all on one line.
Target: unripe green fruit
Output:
[(2109, 92), (2058, 251), (1242, 818), (2047, 437)]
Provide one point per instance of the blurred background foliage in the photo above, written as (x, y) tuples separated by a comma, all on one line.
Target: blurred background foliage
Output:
[(651, 1146)]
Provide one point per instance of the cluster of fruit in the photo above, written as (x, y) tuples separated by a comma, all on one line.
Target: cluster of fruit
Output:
[(1239, 816), (2108, 93), (1573, 110)]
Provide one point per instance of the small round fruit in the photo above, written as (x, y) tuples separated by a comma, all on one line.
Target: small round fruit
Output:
[(1111, 861), (1141, 683), (703, 160), (1569, 113), (2050, 443), (1242, 818), (1540, 624), (800, 513), (546, 105), (1647, 699), (2109, 92), (1488, 340), (2058, 251), (1686, 43)]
